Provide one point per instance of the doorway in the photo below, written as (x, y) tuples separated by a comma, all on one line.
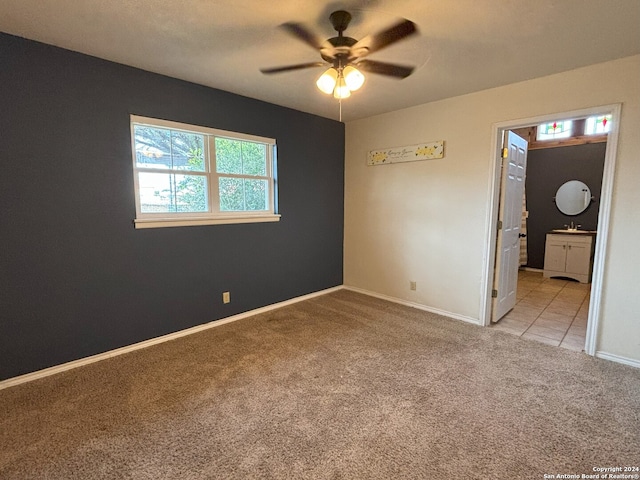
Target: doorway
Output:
[(498, 133)]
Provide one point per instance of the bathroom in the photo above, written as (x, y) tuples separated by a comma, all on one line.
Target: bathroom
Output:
[(547, 170)]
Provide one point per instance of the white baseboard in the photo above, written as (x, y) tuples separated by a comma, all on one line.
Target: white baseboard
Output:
[(10, 382), (618, 359), (604, 355), (28, 377), (531, 269), (419, 306)]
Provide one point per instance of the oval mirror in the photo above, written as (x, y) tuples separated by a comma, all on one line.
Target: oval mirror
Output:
[(573, 197)]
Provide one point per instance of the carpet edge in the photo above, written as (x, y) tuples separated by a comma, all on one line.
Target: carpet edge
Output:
[(63, 367)]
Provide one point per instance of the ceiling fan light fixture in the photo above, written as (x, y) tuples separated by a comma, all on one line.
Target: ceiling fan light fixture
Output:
[(342, 90), (353, 78), (345, 55), (327, 81)]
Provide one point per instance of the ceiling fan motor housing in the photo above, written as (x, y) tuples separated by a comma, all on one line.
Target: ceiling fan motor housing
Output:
[(342, 49)]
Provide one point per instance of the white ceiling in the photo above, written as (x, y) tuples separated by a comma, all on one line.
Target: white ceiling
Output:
[(463, 46)]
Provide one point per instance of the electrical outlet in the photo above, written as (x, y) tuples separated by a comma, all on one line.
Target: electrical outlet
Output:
[(226, 297), (412, 285)]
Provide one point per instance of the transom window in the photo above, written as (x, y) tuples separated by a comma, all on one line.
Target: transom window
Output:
[(192, 175), (597, 125), (554, 130)]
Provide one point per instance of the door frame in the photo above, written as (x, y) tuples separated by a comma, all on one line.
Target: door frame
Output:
[(604, 212)]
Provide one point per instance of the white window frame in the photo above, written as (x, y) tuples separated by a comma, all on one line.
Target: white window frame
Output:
[(214, 216)]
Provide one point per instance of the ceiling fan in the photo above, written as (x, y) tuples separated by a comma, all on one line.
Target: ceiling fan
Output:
[(346, 56)]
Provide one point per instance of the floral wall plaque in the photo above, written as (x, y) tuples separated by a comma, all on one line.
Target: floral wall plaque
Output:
[(411, 153)]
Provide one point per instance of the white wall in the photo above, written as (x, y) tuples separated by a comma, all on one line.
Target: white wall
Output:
[(426, 221)]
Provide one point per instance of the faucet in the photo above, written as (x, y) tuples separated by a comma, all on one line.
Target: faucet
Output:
[(572, 227)]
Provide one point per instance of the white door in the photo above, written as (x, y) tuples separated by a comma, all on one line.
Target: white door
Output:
[(505, 283)]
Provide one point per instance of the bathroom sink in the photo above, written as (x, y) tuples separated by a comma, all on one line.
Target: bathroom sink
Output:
[(574, 231)]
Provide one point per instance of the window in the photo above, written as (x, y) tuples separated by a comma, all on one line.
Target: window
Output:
[(597, 125), (554, 130), (191, 175)]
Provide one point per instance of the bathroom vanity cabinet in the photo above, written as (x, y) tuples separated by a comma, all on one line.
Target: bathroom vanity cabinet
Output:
[(569, 255)]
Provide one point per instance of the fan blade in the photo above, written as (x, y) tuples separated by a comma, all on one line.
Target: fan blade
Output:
[(302, 33), (289, 68), (382, 68), (380, 40)]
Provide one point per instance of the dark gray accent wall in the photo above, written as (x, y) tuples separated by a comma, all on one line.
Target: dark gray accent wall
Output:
[(547, 170), (76, 278)]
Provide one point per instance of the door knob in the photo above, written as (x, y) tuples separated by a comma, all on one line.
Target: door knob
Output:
[(522, 235)]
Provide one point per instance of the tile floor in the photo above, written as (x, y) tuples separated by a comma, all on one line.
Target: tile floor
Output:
[(549, 310)]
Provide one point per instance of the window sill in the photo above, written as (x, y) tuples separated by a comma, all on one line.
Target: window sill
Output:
[(195, 221)]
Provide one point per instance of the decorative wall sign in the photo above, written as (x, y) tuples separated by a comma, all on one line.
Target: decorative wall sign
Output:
[(411, 153)]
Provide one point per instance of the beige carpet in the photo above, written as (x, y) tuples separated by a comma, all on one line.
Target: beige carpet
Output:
[(342, 386)]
